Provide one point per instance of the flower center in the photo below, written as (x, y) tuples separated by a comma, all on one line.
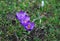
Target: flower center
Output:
[(28, 26), (25, 21)]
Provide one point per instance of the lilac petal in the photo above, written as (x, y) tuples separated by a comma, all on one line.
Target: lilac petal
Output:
[(22, 12), (25, 20)]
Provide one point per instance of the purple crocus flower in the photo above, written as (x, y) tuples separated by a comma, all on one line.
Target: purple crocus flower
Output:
[(25, 20), (29, 26), (20, 15)]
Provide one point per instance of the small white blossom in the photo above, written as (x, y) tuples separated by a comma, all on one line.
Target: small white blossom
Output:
[(42, 3)]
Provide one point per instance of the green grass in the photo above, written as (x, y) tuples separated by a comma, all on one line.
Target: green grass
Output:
[(49, 20)]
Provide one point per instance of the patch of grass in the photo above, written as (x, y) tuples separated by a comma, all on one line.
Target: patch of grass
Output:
[(49, 20)]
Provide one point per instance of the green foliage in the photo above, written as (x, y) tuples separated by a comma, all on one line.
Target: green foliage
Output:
[(49, 18)]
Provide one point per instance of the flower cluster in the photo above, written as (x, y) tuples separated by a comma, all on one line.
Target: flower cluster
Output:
[(25, 20)]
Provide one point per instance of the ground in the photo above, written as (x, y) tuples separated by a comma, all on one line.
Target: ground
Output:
[(47, 25)]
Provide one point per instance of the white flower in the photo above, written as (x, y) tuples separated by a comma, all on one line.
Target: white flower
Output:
[(42, 3)]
